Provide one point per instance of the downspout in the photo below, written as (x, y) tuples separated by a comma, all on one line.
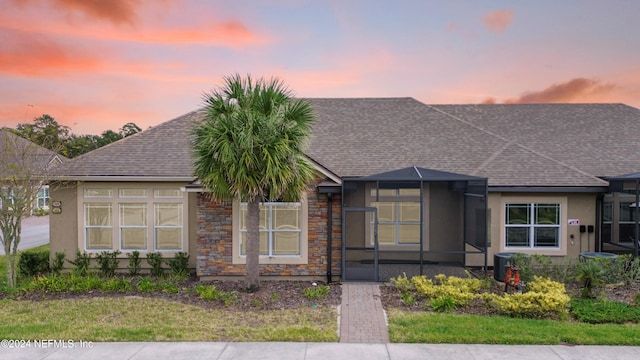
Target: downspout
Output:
[(329, 235), (598, 241)]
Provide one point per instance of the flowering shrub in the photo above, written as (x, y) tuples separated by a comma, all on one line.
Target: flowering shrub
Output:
[(457, 291)]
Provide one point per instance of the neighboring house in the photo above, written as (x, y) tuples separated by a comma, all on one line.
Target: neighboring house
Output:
[(398, 182), (19, 155)]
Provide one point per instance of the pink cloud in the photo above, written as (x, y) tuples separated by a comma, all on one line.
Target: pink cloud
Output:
[(114, 11), (575, 90), (498, 20)]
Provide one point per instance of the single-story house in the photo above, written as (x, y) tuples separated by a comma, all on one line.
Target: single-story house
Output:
[(397, 182), (22, 157)]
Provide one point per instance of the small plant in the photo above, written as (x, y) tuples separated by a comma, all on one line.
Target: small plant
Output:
[(402, 283), (155, 260), (208, 292), (108, 262), (604, 311), (57, 263), (591, 276), (408, 298), (229, 298), (276, 297), (179, 265), (256, 303), (81, 263), (443, 303), (134, 263), (316, 292), (115, 284), (32, 263), (146, 285), (169, 287)]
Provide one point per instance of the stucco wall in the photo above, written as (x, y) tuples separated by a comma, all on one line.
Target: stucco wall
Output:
[(63, 236), (579, 206)]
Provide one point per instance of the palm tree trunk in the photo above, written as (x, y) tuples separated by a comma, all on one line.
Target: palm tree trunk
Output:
[(253, 245)]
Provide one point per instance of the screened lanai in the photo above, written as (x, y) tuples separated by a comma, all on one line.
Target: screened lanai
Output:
[(620, 226), (411, 219)]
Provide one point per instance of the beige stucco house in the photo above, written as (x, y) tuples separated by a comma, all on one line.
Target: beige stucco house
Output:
[(398, 182)]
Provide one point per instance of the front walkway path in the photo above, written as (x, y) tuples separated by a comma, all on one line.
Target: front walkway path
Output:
[(362, 318)]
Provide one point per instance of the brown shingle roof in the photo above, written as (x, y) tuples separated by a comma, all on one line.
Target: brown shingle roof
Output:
[(512, 145)]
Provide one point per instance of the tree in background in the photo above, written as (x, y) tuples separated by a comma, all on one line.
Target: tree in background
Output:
[(46, 132), (250, 145), (23, 171)]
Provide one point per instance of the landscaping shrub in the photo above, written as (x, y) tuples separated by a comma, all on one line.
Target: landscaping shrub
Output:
[(155, 261), (461, 291), (545, 266), (108, 262), (604, 311), (544, 298), (32, 263), (57, 263), (591, 276), (116, 284), (316, 292), (208, 292), (81, 263), (443, 303), (134, 263), (179, 265), (145, 284)]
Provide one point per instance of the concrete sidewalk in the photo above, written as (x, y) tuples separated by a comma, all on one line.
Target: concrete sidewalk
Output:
[(312, 351)]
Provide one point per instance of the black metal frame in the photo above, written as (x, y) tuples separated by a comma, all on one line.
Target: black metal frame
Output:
[(473, 188), (617, 184)]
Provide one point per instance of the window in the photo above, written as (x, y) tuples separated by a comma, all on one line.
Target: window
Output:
[(98, 226), (168, 226), (42, 201), (279, 229), (133, 226), (398, 216), (133, 218), (532, 225)]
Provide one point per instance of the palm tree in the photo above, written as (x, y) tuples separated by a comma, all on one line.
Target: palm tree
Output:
[(250, 146)]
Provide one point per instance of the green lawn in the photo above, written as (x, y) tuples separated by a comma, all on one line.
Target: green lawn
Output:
[(412, 327), (150, 319)]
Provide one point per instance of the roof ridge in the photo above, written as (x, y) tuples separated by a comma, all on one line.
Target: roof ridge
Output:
[(513, 142)]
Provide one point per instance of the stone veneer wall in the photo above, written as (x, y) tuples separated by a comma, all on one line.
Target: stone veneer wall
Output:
[(215, 240)]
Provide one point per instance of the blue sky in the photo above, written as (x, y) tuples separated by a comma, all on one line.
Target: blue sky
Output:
[(97, 65)]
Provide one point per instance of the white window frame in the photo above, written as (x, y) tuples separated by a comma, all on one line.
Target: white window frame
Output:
[(396, 200), (301, 258), (116, 200), (561, 201)]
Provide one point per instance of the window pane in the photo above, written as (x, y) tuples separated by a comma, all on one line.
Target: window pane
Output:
[(167, 193), (409, 211), (386, 233), (133, 214), (97, 214), (98, 238), (98, 192), (264, 243), (168, 215), (607, 212), (264, 216), (137, 193), (386, 211), (408, 234), (547, 214), (517, 236), (286, 243), (627, 212), (133, 238), (518, 214), (409, 192), (168, 238), (546, 237), (285, 217)]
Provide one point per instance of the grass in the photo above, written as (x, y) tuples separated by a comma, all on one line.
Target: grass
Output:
[(411, 327), (149, 319)]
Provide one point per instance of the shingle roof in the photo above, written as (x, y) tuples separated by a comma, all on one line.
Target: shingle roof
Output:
[(18, 151), (511, 145)]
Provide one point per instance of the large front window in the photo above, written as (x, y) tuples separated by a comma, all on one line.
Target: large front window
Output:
[(280, 229), (532, 225), (398, 216), (131, 218)]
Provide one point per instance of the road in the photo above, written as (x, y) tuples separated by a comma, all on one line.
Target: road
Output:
[(35, 232)]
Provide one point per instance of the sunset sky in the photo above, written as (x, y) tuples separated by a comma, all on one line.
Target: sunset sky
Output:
[(95, 65)]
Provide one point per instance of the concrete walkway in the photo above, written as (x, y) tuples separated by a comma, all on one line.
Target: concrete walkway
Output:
[(362, 318)]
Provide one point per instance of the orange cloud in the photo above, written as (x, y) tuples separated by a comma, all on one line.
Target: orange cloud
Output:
[(498, 20), (114, 11), (579, 89), (34, 55)]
